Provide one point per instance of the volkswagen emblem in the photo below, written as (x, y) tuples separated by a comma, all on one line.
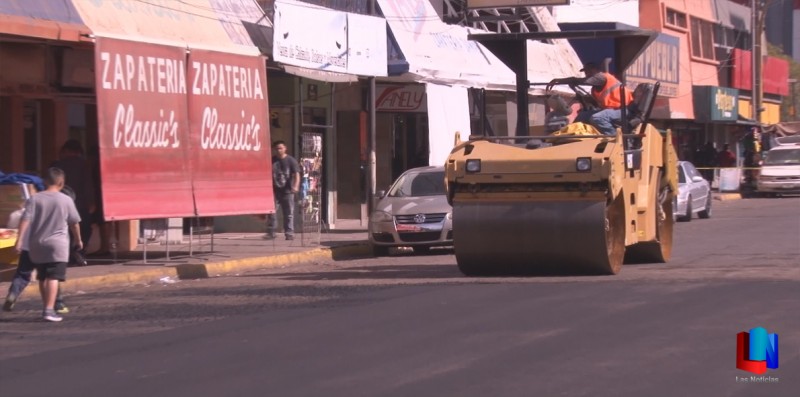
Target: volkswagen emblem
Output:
[(419, 218)]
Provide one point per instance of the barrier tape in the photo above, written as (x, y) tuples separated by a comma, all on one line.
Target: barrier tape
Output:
[(727, 168)]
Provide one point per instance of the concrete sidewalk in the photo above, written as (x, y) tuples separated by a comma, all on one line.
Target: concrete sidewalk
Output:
[(232, 253)]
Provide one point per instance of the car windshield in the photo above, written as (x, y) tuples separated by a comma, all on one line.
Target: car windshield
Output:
[(681, 175), (783, 157), (418, 184)]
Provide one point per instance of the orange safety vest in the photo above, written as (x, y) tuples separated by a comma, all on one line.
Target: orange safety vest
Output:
[(609, 96)]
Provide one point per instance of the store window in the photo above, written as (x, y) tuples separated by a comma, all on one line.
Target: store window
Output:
[(729, 38), (675, 19), (702, 39)]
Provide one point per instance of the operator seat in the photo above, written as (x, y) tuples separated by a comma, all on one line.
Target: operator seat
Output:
[(644, 97)]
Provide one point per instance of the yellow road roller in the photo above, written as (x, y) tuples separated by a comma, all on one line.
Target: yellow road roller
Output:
[(563, 203)]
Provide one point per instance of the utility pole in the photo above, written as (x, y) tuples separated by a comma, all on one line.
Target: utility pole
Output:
[(756, 30), (371, 141)]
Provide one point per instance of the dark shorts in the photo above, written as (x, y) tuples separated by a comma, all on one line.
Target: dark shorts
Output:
[(50, 271)]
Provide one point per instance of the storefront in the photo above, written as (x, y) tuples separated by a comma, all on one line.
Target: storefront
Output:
[(717, 108), (318, 100), (173, 99), (41, 105), (402, 110)]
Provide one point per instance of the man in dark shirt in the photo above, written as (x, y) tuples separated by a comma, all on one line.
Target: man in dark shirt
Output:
[(78, 177), (285, 183), (605, 91)]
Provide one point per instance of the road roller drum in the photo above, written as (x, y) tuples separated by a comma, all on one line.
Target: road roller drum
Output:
[(545, 237)]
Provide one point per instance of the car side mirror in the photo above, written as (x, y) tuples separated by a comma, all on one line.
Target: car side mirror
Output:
[(380, 193), (698, 178)]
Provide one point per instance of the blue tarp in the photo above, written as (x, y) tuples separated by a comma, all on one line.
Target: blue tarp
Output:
[(19, 179)]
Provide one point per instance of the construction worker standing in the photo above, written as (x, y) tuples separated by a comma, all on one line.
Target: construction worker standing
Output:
[(605, 91)]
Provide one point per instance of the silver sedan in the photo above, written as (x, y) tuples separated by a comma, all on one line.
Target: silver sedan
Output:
[(413, 213), (694, 194)]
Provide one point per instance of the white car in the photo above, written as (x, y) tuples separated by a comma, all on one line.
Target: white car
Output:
[(780, 171), (413, 213), (694, 194)]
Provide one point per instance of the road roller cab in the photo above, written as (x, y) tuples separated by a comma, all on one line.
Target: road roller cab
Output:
[(570, 202)]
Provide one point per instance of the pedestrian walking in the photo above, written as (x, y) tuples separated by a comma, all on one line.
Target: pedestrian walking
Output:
[(48, 219), (22, 276), (285, 184)]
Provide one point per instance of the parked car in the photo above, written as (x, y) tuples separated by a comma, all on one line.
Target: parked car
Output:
[(414, 212), (694, 194), (780, 171)]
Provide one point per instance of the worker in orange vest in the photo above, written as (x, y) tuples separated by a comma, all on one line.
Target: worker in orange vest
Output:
[(605, 91)]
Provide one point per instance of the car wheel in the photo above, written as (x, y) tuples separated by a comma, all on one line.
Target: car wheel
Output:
[(380, 250), (422, 250), (706, 213), (688, 216)]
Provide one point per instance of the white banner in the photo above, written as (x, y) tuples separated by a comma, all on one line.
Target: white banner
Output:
[(366, 42), (322, 39), (310, 37), (448, 112)]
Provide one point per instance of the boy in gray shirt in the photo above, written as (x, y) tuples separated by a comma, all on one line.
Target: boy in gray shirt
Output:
[(48, 219)]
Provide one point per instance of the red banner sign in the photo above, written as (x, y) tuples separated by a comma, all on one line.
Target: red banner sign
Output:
[(775, 73), (230, 137), (143, 130), (181, 137)]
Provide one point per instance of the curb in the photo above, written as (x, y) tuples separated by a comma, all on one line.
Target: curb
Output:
[(727, 196), (207, 270)]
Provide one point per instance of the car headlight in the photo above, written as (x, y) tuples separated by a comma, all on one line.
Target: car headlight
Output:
[(449, 215), (380, 216), (474, 165), (583, 164)]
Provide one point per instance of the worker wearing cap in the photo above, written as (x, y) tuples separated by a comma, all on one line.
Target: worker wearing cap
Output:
[(605, 91)]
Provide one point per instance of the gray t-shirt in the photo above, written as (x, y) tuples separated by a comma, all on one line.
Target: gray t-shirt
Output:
[(49, 215)]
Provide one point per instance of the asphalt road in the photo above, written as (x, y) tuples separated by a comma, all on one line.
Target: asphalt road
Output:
[(413, 326)]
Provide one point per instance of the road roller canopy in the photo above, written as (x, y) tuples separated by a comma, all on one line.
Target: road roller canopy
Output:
[(512, 49)]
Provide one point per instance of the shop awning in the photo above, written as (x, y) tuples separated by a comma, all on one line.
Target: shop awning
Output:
[(440, 53), (786, 128), (182, 108), (44, 19), (429, 50), (203, 24)]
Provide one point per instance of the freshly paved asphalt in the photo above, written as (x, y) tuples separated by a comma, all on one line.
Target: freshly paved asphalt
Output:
[(412, 326)]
